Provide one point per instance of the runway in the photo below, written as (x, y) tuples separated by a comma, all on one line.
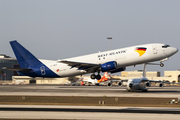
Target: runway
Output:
[(57, 90), (87, 112), (105, 109)]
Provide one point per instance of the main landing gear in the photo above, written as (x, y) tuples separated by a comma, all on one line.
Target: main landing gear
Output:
[(98, 77)]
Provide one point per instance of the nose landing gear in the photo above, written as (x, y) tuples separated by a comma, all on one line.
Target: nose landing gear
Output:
[(161, 64)]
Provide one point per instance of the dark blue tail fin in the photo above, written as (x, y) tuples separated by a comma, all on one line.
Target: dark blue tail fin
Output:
[(24, 57)]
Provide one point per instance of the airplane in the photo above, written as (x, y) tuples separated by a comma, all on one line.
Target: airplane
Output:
[(139, 84), (89, 81), (109, 61), (106, 77)]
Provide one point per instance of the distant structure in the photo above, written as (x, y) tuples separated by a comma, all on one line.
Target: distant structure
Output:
[(139, 73), (6, 61), (172, 76)]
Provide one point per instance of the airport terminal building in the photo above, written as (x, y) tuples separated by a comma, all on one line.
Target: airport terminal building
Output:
[(6, 61), (171, 76)]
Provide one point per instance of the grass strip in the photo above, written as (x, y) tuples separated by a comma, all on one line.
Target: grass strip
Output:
[(88, 101)]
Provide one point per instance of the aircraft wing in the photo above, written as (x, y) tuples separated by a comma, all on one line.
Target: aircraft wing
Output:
[(156, 81), (114, 81), (75, 83), (81, 66), (119, 80), (16, 69), (153, 81)]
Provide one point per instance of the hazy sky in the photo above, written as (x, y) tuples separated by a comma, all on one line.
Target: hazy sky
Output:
[(58, 29)]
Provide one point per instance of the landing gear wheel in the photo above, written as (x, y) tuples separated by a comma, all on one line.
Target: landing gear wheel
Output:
[(109, 84), (161, 64), (93, 76), (98, 77)]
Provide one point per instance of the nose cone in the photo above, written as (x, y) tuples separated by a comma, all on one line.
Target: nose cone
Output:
[(170, 51), (174, 50)]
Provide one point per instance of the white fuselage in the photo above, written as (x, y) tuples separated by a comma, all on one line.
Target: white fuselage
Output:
[(89, 81), (136, 84), (124, 57)]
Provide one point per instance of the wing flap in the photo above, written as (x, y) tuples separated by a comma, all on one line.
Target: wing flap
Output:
[(81, 66)]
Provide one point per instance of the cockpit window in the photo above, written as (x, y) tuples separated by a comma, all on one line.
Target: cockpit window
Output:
[(165, 46)]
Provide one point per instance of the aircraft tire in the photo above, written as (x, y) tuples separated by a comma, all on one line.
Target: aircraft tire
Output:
[(93, 76), (161, 64), (98, 77)]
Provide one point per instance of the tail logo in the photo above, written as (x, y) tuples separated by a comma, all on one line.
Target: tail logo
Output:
[(140, 50), (42, 68)]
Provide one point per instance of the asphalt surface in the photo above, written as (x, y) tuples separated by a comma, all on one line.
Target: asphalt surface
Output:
[(57, 90), (96, 109), (87, 112)]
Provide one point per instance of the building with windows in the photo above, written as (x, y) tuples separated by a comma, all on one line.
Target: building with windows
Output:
[(139, 73), (6, 61), (171, 76)]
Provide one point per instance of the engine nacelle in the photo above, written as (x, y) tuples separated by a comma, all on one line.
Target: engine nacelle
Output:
[(118, 70), (120, 84), (108, 66), (161, 85), (148, 84), (130, 85), (109, 84)]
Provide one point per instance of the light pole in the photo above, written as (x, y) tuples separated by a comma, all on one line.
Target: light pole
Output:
[(109, 38)]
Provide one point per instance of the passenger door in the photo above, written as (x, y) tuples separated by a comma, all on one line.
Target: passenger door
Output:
[(155, 50)]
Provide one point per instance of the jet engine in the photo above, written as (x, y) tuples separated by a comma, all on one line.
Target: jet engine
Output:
[(161, 84), (130, 85), (109, 84), (120, 84), (108, 66), (148, 84), (118, 70)]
